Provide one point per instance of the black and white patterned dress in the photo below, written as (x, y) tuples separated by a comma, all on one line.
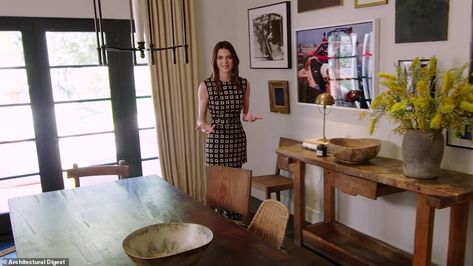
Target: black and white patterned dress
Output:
[(226, 145)]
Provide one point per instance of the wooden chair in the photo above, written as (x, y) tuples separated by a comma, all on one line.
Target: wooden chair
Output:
[(270, 222), (120, 170), (7, 251), (276, 182), (229, 189)]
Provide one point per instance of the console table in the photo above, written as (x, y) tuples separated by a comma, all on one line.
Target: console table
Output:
[(377, 178)]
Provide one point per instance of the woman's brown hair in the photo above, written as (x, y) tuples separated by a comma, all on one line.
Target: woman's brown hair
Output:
[(236, 61)]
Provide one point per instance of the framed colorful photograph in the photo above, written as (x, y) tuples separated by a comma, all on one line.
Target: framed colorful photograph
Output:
[(269, 30), (366, 3), (279, 96), (460, 140), (340, 60), (306, 5)]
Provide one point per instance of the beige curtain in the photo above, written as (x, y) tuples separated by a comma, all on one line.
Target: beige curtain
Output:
[(181, 147)]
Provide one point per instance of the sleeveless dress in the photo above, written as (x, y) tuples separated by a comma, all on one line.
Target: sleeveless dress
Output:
[(226, 145)]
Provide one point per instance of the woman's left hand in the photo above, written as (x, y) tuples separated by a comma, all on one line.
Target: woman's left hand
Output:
[(249, 117)]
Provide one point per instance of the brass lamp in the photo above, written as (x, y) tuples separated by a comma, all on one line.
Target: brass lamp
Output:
[(324, 99)]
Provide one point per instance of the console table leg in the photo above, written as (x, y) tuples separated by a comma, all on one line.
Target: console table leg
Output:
[(299, 200), (457, 234), (329, 200), (423, 232)]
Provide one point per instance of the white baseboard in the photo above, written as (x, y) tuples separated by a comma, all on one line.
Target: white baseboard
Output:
[(311, 215)]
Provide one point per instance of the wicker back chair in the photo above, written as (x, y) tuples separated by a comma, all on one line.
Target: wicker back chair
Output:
[(270, 222)]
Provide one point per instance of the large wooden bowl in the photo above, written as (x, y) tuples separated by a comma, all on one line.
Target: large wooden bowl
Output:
[(354, 151), (167, 244)]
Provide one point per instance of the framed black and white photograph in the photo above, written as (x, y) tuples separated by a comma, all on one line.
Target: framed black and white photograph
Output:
[(405, 66), (460, 139), (279, 96), (269, 30), (340, 60)]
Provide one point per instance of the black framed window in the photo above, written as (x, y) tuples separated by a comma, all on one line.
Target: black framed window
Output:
[(59, 107)]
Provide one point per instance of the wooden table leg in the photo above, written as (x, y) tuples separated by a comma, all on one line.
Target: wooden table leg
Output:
[(299, 200), (423, 232), (457, 234), (329, 200)]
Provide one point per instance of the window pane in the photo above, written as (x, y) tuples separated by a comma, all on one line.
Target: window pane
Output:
[(87, 117), (19, 121), (151, 167), (18, 159), (142, 80), (18, 187), (80, 83), (146, 116), (140, 60), (87, 150), (148, 143), (14, 86), (11, 49), (72, 48)]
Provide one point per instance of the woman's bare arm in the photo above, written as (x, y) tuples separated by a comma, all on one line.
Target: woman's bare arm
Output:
[(203, 104)]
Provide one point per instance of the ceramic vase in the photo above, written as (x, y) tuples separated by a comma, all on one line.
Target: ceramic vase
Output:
[(422, 153)]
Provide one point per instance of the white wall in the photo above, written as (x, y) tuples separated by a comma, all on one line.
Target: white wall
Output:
[(390, 218)]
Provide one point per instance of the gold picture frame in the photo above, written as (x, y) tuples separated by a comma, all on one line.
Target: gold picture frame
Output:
[(367, 3), (279, 96)]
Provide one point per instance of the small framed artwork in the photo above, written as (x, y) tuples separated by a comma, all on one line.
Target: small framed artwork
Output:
[(460, 139), (269, 30), (306, 5), (279, 96), (405, 66), (366, 3)]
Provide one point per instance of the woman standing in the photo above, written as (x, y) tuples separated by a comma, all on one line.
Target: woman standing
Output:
[(225, 94)]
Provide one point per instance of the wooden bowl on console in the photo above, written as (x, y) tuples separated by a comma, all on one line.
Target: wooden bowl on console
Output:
[(354, 151)]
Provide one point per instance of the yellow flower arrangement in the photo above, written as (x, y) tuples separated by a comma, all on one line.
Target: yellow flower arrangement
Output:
[(416, 101)]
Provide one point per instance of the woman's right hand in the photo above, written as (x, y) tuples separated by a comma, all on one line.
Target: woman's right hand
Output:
[(206, 128)]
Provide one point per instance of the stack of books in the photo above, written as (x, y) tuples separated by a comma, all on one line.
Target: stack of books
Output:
[(311, 144)]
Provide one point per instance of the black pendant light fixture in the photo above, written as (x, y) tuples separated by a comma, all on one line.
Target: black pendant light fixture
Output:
[(141, 14)]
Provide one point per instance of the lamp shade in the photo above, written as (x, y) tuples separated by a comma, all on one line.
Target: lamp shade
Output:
[(324, 99)]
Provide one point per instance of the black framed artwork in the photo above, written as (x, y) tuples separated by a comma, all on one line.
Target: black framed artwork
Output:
[(405, 66), (269, 36), (460, 139), (421, 21)]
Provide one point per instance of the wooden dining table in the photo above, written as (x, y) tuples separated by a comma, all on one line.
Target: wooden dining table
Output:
[(87, 224)]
